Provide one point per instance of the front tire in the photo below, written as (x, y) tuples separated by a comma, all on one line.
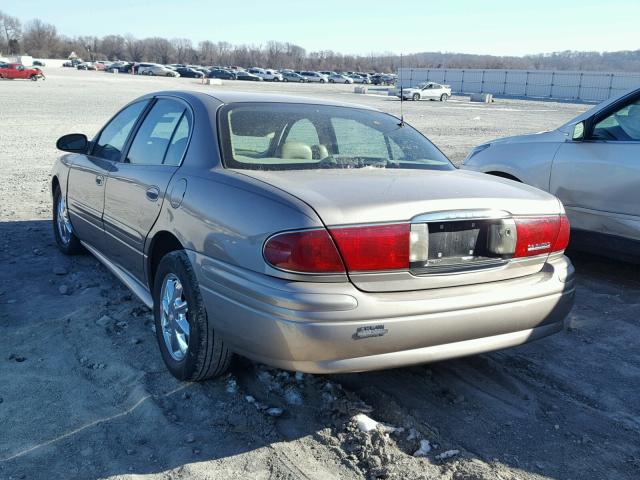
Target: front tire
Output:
[(416, 97), (322, 80), (190, 348), (34, 78), (63, 232), (444, 97)]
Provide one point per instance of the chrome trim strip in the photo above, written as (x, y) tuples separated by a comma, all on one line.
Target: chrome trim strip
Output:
[(132, 284), (455, 215)]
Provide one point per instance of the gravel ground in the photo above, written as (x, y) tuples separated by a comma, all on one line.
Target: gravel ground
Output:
[(84, 393)]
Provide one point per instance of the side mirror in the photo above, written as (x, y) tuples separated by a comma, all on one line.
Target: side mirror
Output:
[(578, 132), (74, 143)]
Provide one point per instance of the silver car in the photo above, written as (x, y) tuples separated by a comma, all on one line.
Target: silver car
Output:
[(307, 234), (157, 70), (592, 163)]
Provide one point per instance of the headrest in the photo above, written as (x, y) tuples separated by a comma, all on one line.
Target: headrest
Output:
[(296, 150)]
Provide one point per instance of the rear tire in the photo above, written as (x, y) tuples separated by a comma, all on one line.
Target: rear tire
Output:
[(205, 355), (322, 80), (63, 232)]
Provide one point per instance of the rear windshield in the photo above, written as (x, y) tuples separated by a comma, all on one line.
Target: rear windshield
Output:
[(283, 136)]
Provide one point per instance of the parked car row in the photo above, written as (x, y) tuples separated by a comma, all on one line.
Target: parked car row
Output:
[(255, 74)]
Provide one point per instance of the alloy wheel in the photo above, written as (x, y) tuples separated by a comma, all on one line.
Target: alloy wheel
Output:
[(173, 317), (63, 223)]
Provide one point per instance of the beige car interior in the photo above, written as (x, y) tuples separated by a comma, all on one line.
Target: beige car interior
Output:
[(298, 152)]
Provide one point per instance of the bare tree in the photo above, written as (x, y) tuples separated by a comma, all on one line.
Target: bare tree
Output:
[(135, 48), (40, 38), (10, 33), (184, 51), (159, 49), (113, 47), (207, 52)]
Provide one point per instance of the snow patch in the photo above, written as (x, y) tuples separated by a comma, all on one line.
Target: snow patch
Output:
[(425, 447)]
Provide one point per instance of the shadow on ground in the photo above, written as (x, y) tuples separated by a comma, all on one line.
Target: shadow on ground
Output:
[(84, 393)]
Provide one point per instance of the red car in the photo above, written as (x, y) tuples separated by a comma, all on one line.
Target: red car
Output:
[(15, 70)]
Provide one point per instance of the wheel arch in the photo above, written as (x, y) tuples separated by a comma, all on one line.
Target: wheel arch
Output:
[(508, 176), (55, 183), (162, 243)]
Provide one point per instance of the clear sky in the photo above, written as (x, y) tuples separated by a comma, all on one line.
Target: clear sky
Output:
[(351, 26)]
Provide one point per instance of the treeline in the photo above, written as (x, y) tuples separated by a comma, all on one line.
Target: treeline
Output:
[(42, 40)]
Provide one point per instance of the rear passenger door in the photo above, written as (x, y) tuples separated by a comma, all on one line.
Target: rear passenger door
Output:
[(137, 184)]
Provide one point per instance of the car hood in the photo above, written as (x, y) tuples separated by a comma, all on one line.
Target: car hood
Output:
[(540, 137), (351, 196)]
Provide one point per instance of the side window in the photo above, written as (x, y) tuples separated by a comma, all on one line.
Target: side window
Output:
[(113, 137), (153, 137), (623, 125), (355, 139), (303, 131), (178, 143)]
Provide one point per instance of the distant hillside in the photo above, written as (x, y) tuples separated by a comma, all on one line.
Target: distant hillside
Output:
[(623, 61)]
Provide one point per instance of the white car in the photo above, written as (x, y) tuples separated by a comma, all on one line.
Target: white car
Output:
[(337, 78), (316, 77), (426, 91), (157, 70), (266, 74), (591, 163)]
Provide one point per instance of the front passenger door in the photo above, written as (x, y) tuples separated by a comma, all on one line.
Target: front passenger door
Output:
[(88, 175), (597, 177), (137, 185)]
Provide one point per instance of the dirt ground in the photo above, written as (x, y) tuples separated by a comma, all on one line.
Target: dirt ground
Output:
[(84, 393)]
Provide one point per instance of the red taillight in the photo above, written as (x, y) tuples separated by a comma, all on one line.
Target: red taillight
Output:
[(379, 247), (562, 241), (537, 236), (310, 251)]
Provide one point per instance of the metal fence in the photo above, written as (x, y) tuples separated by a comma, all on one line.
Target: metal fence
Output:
[(585, 86)]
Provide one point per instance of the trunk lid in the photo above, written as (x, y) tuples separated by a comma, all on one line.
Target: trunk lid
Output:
[(373, 195)]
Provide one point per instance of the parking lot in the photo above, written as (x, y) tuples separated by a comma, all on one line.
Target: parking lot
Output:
[(84, 392)]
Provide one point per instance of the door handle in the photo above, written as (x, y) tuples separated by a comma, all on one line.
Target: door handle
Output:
[(99, 179), (153, 193)]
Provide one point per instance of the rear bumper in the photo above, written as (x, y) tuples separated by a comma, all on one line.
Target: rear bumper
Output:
[(334, 327)]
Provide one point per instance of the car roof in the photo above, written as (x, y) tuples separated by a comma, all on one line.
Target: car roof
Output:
[(226, 97), (238, 97)]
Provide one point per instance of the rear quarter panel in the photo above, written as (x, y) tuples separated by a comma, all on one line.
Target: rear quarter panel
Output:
[(227, 216)]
